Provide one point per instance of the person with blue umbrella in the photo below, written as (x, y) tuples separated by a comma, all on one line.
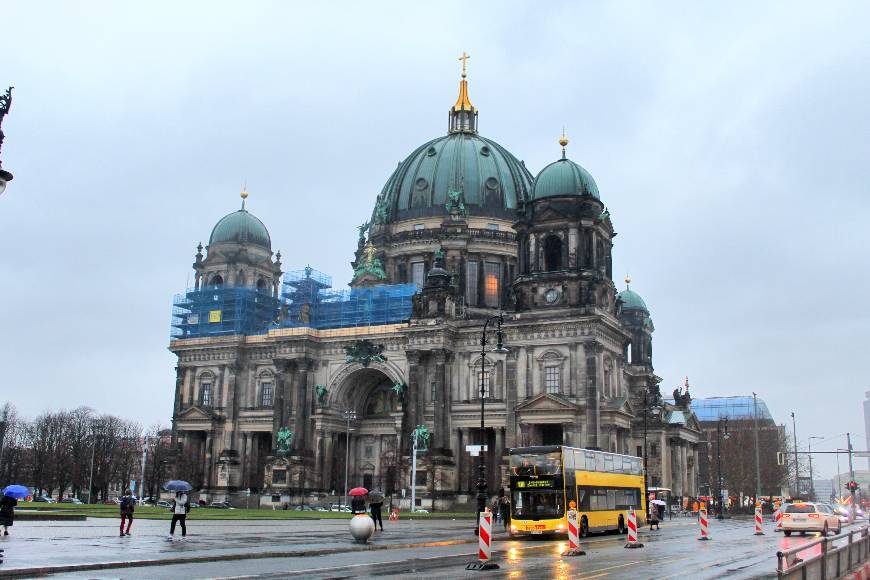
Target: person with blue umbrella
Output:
[(11, 495), (180, 506)]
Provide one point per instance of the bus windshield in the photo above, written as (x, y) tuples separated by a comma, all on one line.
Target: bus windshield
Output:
[(539, 503), (536, 464)]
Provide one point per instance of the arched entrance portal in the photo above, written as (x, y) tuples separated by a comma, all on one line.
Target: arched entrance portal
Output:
[(370, 447)]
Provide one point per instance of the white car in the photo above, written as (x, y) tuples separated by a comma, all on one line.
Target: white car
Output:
[(810, 517)]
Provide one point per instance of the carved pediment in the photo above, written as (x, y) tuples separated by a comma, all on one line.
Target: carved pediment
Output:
[(195, 414), (546, 402), (620, 405)]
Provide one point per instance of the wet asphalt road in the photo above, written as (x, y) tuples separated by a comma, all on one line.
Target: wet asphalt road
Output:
[(672, 552)]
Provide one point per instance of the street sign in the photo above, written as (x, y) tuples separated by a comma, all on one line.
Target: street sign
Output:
[(475, 450)]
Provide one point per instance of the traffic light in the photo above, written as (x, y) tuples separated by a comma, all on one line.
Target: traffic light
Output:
[(852, 486)]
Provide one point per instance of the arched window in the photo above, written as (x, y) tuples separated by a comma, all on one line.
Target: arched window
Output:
[(216, 281), (552, 253), (240, 278), (261, 284), (205, 394)]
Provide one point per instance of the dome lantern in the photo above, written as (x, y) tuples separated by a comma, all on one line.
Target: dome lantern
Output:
[(463, 115)]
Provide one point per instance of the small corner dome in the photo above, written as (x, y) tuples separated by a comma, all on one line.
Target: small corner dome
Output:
[(631, 300), (241, 227), (562, 178)]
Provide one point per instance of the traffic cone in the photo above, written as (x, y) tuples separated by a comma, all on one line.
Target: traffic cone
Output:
[(758, 529), (632, 531), (573, 536), (702, 519)]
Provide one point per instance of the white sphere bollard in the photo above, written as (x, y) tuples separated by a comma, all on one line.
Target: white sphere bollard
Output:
[(362, 527)]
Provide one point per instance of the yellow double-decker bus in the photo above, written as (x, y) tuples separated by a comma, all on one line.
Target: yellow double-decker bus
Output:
[(547, 481)]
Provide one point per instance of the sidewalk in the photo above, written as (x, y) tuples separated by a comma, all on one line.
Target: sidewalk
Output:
[(52, 547)]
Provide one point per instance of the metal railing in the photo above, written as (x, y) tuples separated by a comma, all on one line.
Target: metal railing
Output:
[(828, 561)]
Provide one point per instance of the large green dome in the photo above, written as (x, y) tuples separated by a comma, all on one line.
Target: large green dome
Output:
[(631, 300), (492, 181), (241, 227), (564, 177)]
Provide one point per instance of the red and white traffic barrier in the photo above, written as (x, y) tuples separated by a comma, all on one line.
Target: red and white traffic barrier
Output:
[(573, 536), (702, 519), (484, 544), (778, 520), (759, 531), (632, 531)]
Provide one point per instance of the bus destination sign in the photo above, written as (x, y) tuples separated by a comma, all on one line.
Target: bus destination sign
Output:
[(534, 483)]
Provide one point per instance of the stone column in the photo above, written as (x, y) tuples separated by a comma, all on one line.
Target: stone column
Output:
[(510, 398), (413, 394), (209, 463), (593, 378), (460, 460), (282, 397), (303, 377), (440, 403), (326, 464), (189, 377)]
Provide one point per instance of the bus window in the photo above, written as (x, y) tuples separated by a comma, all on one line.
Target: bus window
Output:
[(536, 464), (533, 504), (606, 498)]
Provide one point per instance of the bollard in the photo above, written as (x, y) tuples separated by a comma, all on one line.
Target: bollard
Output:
[(758, 529), (702, 519), (484, 544), (632, 531), (573, 536)]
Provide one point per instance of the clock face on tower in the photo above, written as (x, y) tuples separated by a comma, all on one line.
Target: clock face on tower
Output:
[(551, 295)]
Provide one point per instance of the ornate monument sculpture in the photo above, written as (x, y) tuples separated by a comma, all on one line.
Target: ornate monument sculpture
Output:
[(285, 441), (399, 388), (363, 228), (382, 212), (421, 435), (370, 264), (682, 400), (321, 392), (364, 352), (455, 206)]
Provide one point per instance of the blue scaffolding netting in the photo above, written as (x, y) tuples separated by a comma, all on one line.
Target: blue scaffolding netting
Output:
[(307, 300)]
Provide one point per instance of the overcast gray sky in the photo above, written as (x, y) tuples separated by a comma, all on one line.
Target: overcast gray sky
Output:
[(730, 142)]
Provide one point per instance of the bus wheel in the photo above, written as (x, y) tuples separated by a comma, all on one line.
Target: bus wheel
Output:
[(584, 527), (622, 529)]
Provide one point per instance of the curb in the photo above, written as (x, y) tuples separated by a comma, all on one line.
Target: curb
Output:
[(40, 571)]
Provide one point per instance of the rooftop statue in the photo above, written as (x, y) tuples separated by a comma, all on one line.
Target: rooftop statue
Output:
[(285, 441), (5, 105)]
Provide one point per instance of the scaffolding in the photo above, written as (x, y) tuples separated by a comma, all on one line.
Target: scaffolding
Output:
[(222, 311), (308, 300)]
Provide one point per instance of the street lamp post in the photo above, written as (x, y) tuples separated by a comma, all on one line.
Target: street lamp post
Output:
[(812, 483), (499, 348), (348, 417), (649, 406), (721, 426), (94, 427)]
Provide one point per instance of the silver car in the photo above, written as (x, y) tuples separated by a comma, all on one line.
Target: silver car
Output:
[(810, 517)]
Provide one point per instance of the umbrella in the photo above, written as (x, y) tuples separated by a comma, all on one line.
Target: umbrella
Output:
[(177, 485), (16, 491), (376, 495), (657, 502), (358, 491)]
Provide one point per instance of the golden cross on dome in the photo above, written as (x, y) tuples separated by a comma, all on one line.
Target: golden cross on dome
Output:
[(464, 58)]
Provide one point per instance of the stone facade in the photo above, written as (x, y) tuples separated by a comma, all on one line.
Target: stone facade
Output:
[(578, 358)]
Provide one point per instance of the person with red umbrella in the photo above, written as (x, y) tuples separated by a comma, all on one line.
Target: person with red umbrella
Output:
[(358, 503)]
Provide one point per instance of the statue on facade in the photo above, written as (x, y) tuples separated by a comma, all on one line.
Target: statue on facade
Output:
[(5, 105), (321, 392), (399, 388), (382, 212), (364, 352), (370, 264), (363, 228), (285, 441), (421, 436), (455, 206), (681, 399)]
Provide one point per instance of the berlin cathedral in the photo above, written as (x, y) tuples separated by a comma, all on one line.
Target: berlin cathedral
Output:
[(287, 390)]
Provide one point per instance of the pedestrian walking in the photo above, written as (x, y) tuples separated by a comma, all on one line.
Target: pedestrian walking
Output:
[(127, 507), (375, 508), (7, 513), (180, 508), (505, 511), (358, 505), (653, 517)]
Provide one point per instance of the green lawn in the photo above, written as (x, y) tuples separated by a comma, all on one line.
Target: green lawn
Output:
[(155, 513)]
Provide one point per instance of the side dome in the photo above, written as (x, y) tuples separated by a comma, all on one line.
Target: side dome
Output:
[(631, 300), (491, 182), (241, 227), (562, 178)]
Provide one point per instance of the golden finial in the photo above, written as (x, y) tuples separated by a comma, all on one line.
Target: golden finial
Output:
[(563, 140), (464, 58), (244, 195), (627, 280)]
